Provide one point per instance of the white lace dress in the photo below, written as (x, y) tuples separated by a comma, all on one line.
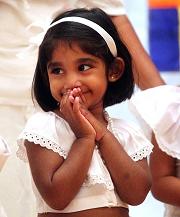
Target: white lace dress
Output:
[(159, 107), (52, 132)]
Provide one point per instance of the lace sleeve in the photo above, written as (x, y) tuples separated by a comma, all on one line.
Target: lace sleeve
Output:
[(135, 144), (39, 140), (41, 130), (133, 141)]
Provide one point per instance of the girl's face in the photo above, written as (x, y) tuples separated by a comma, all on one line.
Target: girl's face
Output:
[(70, 67)]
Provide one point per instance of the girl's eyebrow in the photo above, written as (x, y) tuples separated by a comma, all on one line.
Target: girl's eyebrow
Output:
[(53, 64), (82, 60), (79, 61)]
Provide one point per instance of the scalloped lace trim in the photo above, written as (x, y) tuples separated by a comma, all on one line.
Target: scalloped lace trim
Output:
[(95, 179), (140, 154), (169, 152), (21, 153), (43, 142), (143, 153)]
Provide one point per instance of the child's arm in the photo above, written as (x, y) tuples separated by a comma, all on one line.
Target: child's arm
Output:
[(59, 180), (145, 72), (165, 184), (131, 179)]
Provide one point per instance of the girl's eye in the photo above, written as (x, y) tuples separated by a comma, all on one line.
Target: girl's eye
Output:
[(83, 67), (56, 71)]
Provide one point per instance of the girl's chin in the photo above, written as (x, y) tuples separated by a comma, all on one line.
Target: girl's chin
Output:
[(96, 107)]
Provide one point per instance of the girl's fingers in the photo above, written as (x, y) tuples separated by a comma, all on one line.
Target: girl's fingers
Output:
[(64, 100), (73, 98), (76, 105), (76, 108), (100, 129), (83, 99), (88, 116), (74, 92), (77, 92)]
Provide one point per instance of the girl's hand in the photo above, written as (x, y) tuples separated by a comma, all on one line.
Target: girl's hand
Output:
[(99, 127), (72, 114), (76, 92)]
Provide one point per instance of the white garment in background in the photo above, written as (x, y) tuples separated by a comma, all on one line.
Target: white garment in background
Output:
[(4, 154), (2, 212), (159, 107)]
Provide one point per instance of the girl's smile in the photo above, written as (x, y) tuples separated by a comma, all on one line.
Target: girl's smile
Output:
[(70, 68)]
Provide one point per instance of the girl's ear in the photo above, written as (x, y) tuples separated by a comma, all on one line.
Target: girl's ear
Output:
[(116, 70)]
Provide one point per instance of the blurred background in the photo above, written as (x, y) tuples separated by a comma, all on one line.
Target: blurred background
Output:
[(157, 24), (147, 17)]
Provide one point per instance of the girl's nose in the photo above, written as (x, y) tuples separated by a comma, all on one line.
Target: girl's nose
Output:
[(72, 82)]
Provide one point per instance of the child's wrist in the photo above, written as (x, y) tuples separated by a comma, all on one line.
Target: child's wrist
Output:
[(100, 140), (87, 139)]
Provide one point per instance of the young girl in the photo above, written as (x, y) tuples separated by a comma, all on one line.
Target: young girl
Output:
[(83, 162), (160, 108)]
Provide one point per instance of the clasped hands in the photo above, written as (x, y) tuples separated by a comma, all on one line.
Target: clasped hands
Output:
[(73, 108)]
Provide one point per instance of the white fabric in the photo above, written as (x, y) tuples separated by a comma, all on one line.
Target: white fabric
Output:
[(4, 152), (16, 195), (4, 147), (160, 108), (111, 7), (49, 130), (2, 212)]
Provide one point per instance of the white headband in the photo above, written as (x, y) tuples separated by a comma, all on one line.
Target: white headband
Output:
[(108, 39), (36, 40)]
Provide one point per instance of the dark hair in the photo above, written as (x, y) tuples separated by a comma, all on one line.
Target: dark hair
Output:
[(89, 41)]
